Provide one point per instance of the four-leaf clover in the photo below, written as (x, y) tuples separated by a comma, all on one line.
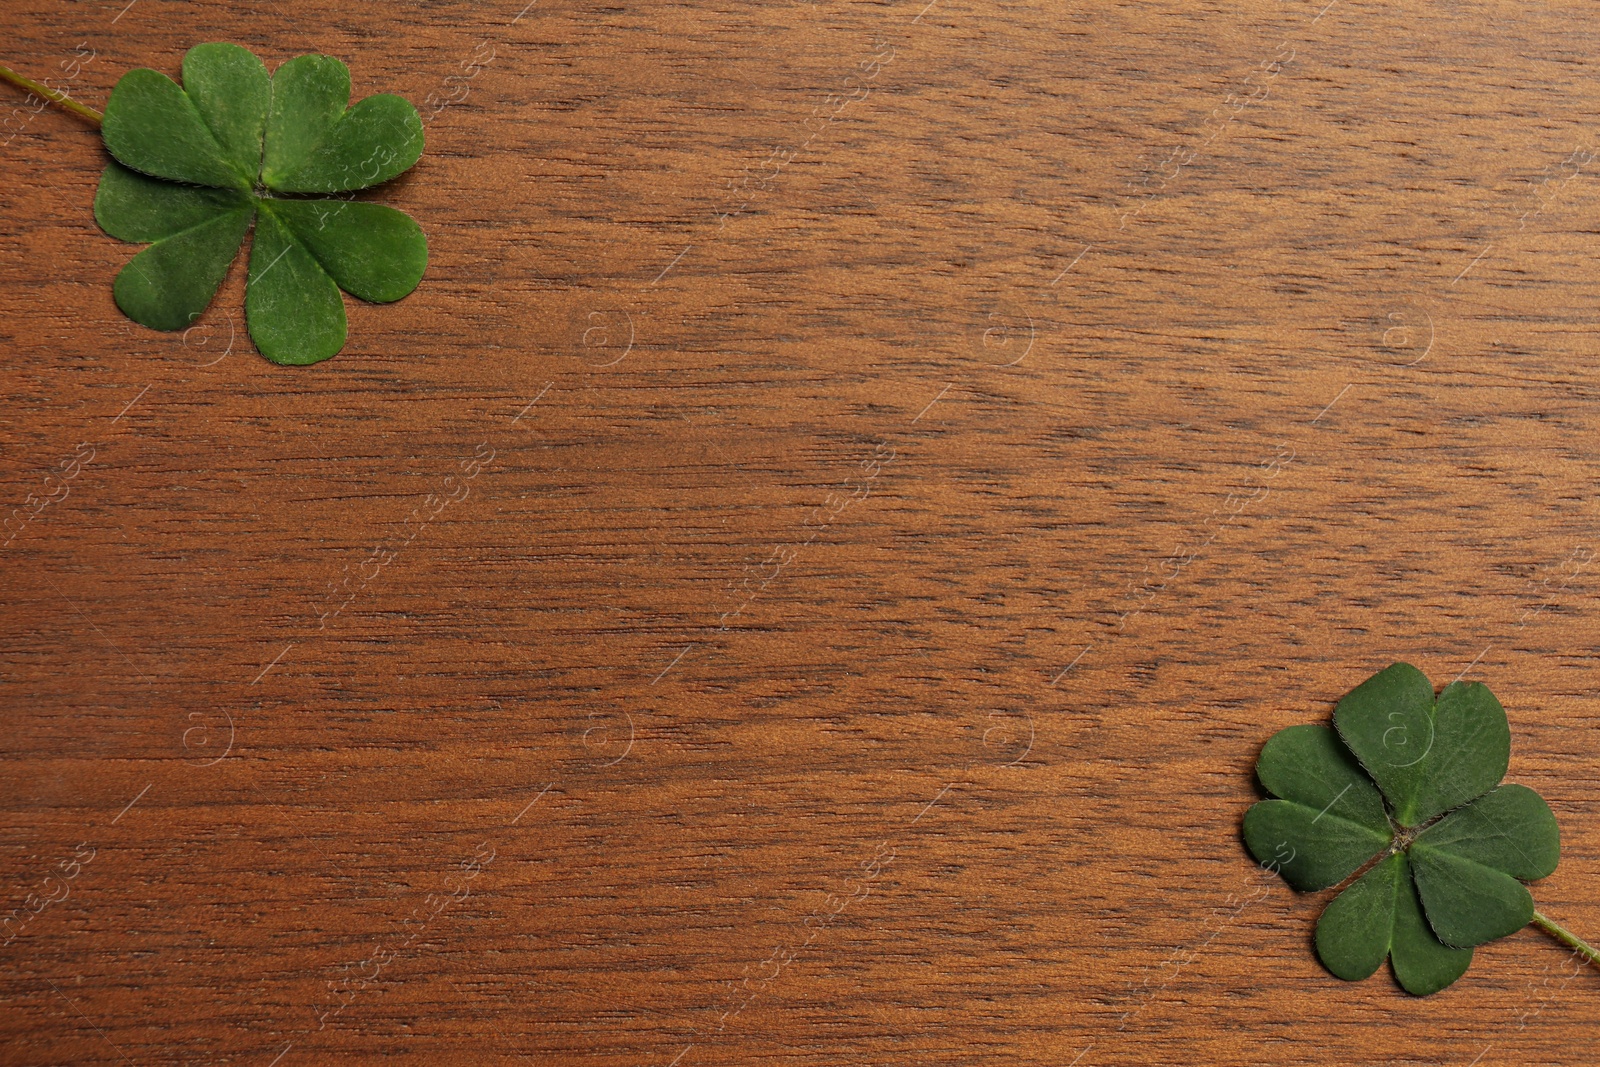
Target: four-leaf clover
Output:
[(1408, 791), (196, 164)]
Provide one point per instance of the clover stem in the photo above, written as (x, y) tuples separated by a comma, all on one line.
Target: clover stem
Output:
[(50, 94), (1567, 937)]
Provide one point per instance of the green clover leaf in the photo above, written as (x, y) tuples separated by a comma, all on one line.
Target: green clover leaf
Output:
[(196, 164), (1407, 794)]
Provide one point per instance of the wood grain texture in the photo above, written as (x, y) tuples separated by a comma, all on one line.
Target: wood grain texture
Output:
[(922, 452)]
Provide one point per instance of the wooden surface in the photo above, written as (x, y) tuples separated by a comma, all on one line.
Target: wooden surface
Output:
[(806, 577)]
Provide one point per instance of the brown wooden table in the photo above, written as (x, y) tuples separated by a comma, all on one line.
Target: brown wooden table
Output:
[(806, 577)]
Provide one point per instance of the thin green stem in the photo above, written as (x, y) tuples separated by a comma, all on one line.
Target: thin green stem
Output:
[(1567, 937), (51, 95)]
